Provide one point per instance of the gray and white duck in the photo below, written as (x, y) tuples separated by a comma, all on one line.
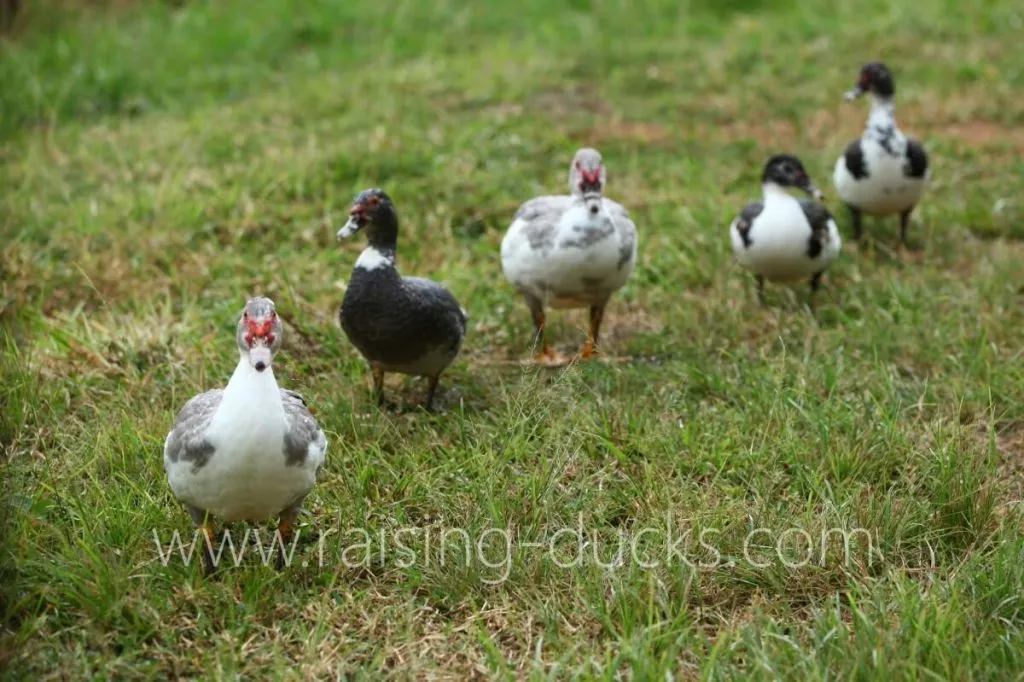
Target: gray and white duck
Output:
[(782, 238), (570, 251), (249, 451), (884, 172), (407, 325)]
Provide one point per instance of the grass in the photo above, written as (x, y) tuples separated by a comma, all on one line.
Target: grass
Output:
[(163, 163)]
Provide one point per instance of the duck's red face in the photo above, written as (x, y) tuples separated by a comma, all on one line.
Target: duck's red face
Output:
[(364, 211), (259, 332), (587, 178), (590, 180), (262, 329)]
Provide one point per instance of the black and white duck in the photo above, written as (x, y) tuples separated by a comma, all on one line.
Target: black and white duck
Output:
[(407, 325), (249, 451), (570, 251), (884, 172), (782, 238)]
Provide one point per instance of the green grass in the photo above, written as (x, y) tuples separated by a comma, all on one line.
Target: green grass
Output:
[(162, 164)]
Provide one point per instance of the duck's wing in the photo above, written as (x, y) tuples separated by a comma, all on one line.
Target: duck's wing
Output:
[(626, 229), (187, 438), (853, 159), (536, 223), (821, 223), (304, 441), (434, 297), (916, 165), (745, 221)]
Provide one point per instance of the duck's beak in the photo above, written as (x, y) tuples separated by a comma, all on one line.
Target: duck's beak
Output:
[(810, 188), (853, 94), (592, 200), (259, 356), (356, 221)]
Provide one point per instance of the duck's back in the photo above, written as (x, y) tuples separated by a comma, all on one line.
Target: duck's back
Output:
[(533, 230), (402, 324)]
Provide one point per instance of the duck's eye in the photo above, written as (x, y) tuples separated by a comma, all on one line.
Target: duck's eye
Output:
[(373, 201)]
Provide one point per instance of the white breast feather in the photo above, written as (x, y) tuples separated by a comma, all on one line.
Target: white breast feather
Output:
[(886, 189), (779, 238), (247, 477)]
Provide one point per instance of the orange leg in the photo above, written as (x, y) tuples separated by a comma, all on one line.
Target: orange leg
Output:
[(590, 347), (544, 351), (210, 536), (545, 354), (286, 531)]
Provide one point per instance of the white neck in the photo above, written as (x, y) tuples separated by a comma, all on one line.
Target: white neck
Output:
[(774, 191), (883, 113), (250, 399), (372, 258)]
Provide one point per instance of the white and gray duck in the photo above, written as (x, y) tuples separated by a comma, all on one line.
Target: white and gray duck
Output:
[(884, 172), (570, 251), (782, 238), (250, 451), (407, 325)]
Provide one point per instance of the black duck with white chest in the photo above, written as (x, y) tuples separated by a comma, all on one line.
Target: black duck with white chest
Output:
[(884, 172), (407, 325)]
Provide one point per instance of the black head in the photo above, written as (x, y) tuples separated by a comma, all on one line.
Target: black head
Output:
[(371, 207), (786, 170), (875, 78)]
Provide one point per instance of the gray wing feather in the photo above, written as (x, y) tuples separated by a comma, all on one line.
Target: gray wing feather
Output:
[(746, 221), (541, 216), (817, 215), (437, 297), (543, 207), (627, 230), (303, 430), (187, 438), (819, 218)]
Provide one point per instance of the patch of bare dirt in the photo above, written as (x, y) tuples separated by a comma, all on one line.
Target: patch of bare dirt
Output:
[(983, 133), (621, 321), (627, 131), (826, 127), (629, 320), (778, 133), (1010, 446)]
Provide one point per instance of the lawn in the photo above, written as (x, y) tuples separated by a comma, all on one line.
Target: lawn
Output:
[(809, 495)]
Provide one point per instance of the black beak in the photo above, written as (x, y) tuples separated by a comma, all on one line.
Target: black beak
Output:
[(804, 183), (813, 191)]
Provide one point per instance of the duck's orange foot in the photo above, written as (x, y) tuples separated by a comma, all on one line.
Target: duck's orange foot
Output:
[(589, 351), (550, 357)]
